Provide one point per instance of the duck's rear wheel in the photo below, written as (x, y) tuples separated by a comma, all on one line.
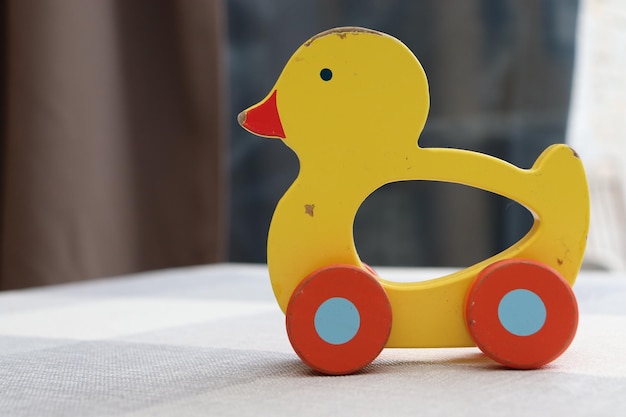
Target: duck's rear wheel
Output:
[(339, 319), (521, 313)]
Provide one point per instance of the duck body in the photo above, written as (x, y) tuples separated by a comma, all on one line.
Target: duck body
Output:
[(313, 227), (351, 103)]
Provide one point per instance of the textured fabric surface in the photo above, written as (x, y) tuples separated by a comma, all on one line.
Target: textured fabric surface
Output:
[(210, 341)]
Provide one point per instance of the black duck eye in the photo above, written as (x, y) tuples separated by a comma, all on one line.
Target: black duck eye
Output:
[(326, 74)]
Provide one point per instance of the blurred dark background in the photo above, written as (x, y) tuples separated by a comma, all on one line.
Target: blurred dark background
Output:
[(500, 77), (120, 150)]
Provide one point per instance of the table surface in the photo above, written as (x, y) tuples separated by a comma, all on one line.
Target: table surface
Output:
[(210, 341)]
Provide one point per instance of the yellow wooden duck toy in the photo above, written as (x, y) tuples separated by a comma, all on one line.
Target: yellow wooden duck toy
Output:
[(351, 103)]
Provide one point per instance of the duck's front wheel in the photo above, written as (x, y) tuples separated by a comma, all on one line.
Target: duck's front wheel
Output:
[(339, 319), (521, 313)]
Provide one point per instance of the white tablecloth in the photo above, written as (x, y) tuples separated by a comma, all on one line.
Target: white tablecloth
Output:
[(210, 341)]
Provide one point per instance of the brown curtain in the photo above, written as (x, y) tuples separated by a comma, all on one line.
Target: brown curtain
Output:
[(113, 140)]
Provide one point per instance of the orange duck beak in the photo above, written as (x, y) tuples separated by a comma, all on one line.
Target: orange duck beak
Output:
[(262, 119)]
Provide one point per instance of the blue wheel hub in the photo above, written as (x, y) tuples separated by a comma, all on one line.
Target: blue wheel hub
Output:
[(522, 312), (337, 320)]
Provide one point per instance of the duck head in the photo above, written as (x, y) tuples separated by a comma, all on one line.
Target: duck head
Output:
[(345, 89)]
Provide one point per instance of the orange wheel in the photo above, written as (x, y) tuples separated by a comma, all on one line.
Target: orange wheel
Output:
[(339, 319), (521, 313)]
